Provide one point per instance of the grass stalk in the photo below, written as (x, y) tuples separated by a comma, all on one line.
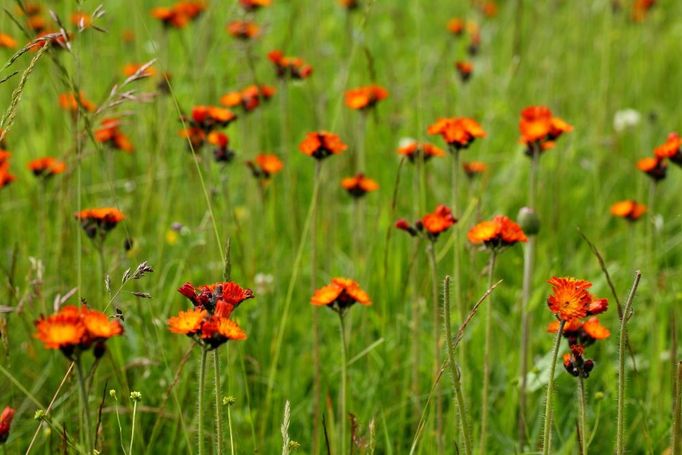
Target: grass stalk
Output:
[(344, 382), (547, 436), (317, 374), (431, 251), (85, 412), (218, 399), (486, 357), (677, 411), (200, 401), (581, 415)]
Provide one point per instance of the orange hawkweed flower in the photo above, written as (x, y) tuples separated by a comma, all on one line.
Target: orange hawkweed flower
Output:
[(340, 294), (99, 326), (37, 23), (58, 40), (489, 9), (46, 167), (671, 149), (630, 210), (595, 330), (640, 9), (208, 118), (359, 185), (221, 152), (99, 221), (465, 69), (438, 221), (218, 298), (4, 157), (322, 144), (5, 176), (474, 168), (69, 102), (132, 68), (362, 98), (540, 129), (5, 423), (243, 30), (187, 322), (218, 330), (170, 17), (253, 5), (350, 5), (110, 134), (7, 41), (289, 67), (571, 299), (196, 136), (498, 233), (249, 98), (265, 165), (456, 26), (414, 151), (654, 167), (458, 132)]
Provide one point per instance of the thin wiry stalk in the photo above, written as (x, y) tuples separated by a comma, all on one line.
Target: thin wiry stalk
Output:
[(486, 357), (620, 426), (547, 437), (436, 335), (344, 382), (459, 302), (85, 412), (132, 427), (200, 401), (456, 378), (118, 420), (229, 427), (677, 410), (581, 415), (317, 373), (218, 399)]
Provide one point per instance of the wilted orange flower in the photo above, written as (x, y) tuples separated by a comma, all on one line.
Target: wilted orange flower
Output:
[(340, 294), (249, 98), (630, 210), (5, 423), (456, 26), (640, 9), (7, 41), (671, 149), (362, 98), (289, 67), (464, 69), (322, 144), (654, 167), (69, 102), (571, 299), (99, 221), (110, 134), (458, 132), (81, 20), (540, 129), (414, 150), (243, 30), (253, 5), (265, 165), (359, 185), (498, 233), (46, 167), (474, 168), (187, 322), (132, 68)]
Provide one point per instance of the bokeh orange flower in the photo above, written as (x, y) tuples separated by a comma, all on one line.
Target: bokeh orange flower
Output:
[(249, 98), (322, 144), (654, 167), (109, 133), (289, 67), (340, 294), (359, 185), (69, 102), (671, 149), (540, 129), (46, 167), (474, 168), (497, 233), (130, 69), (415, 150), (243, 30), (265, 165), (362, 98), (629, 209), (99, 221), (7, 41), (465, 69), (458, 132), (5, 423), (253, 5), (221, 151)]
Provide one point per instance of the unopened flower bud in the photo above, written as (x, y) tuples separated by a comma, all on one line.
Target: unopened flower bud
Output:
[(529, 221)]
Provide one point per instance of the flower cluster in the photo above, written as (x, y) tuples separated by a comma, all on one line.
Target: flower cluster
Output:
[(540, 129), (203, 122), (46, 167), (99, 221), (180, 14), (656, 166), (289, 67), (458, 132), (5, 176), (248, 98), (363, 98), (415, 151), (109, 133), (71, 101), (432, 224), (340, 294), (498, 233), (243, 30)]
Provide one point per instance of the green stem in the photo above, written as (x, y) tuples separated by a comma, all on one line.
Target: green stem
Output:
[(620, 426), (317, 374), (677, 410), (431, 250), (84, 406), (581, 415), (547, 438), (486, 357), (456, 247), (132, 425), (200, 401), (229, 425), (344, 373), (218, 417), (456, 378)]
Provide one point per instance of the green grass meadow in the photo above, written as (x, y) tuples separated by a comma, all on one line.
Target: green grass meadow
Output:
[(580, 58)]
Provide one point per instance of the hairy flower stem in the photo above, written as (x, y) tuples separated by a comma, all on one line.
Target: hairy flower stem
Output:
[(218, 417), (677, 411), (581, 415), (547, 437), (200, 401), (344, 379), (317, 376), (486, 356), (456, 377), (620, 426), (83, 394), (455, 211), (431, 250)]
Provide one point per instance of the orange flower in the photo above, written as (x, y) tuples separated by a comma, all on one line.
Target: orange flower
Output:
[(170, 17), (4, 157), (474, 168), (456, 26), (81, 20), (56, 39), (208, 118), (630, 210), (571, 327), (218, 298), (465, 69), (7, 41), (99, 221), (222, 152), (415, 150), (458, 132), (359, 185), (489, 9), (362, 98), (187, 322), (110, 134), (265, 165), (539, 129), (654, 167), (571, 299), (37, 23), (595, 330), (248, 98), (243, 30), (350, 5), (46, 167), (640, 9), (671, 149), (438, 221), (289, 67), (498, 233), (253, 5), (5, 176), (69, 102), (132, 68), (5, 423), (99, 326), (340, 294), (195, 135), (218, 330), (322, 144)]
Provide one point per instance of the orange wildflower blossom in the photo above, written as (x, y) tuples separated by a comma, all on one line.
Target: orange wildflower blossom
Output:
[(458, 132), (208, 118), (415, 150), (540, 129), (221, 151), (498, 233), (249, 98), (465, 69), (340, 294), (81, 20), (180, 14), (489, 9), (36, 23), (56, 39), (265, 165), (363, 98), (571, 299), (46, 167), (474, 39), (4, 157), (671, 149), (98, 222), (71, 102), (7, 41), (359, 185), (474, 168), (654, 167), (350, 5), (218, 298), (75, 329), (629, 209), (321, 144), (641, 8), (289, 67), (110, 134), (5, 176), (196, 137), (130, 69), (243, 30), (432, 224), (5, 423), (254, 5), (580, 335), (456, 26)]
